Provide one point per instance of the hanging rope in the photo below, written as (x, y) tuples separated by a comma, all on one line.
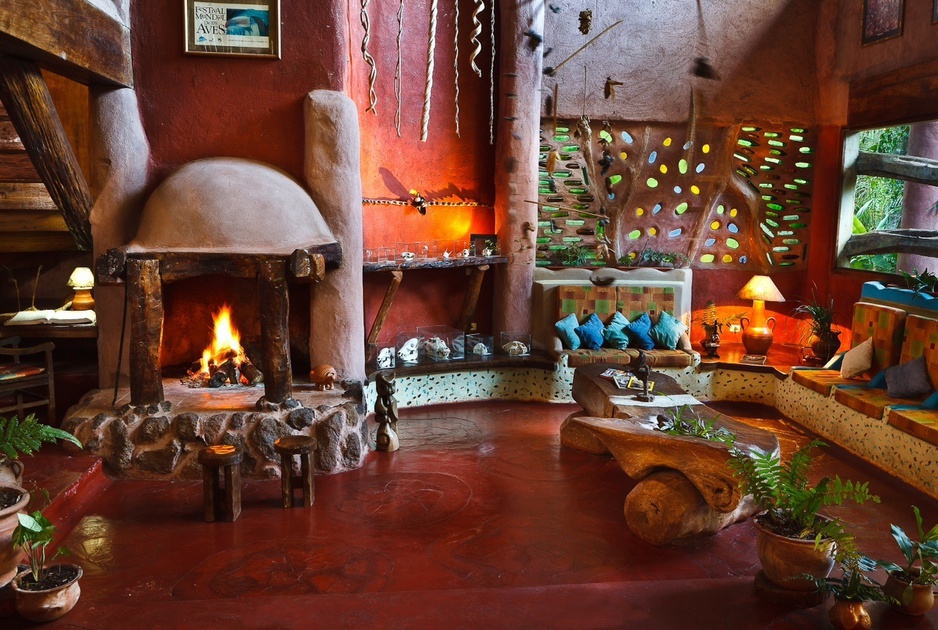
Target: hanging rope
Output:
[(492, 78), (474, 36), (373, 72), (397, 71), (456, 66), (428, 90)]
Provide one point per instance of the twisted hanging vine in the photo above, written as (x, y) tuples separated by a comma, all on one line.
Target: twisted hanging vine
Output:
[(397, 71), (492, 77), (474, 36), (373, 72), (428, 89), (456, 66)]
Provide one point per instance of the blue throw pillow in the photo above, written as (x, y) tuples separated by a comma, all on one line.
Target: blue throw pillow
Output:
[(639, 332), (667, 332), (591, 333), (615, 334), (565, 329)]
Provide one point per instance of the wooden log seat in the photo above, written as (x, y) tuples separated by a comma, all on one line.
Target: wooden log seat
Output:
[(685, 487), (288, 447), (221, 477)]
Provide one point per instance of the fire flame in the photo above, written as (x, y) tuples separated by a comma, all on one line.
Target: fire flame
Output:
[(226, 343)]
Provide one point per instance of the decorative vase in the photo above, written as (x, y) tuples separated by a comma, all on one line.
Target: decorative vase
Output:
[(846, 615), (48, 604), (10, 555), (784, 558), (826, 345), (923, 598), (710, 344)]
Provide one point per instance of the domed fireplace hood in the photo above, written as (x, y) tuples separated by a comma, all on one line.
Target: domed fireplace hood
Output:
[(219, 205)]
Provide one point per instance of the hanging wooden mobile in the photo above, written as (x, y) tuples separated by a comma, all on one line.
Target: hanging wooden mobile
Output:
[(492, 77), (456, 66), (428, 89), (397, 71), (474, 36), (373, 72)]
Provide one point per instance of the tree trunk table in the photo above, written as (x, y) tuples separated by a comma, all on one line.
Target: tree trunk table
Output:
[(685, 487)]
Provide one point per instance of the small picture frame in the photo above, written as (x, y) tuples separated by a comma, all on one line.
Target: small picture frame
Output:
[(882, 20), (250, 28), (483, 245), (753, 359)]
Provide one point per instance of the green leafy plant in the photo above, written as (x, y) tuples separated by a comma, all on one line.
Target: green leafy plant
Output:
[(655, 258), (820, 314), (922, 552), (791, 503), (33, 535), (853, 584), (573, 255), (676, 424), (920, 282), (27, 436)]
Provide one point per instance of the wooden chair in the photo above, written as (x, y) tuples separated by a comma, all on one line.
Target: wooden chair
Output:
[(26, 378)]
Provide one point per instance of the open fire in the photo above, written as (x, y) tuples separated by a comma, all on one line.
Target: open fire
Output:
[(224, 361)]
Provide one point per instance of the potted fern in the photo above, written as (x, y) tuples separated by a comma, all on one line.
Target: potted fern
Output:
[(24, 437), (46, 591), (851, 590), (911, 585), (793, 537)]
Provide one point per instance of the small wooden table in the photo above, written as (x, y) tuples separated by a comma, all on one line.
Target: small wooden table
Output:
[(221, 477), (685, 486)]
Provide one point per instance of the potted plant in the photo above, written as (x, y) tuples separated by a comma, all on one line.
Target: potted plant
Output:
[(46, 591), (851, 590), (793, 537), (920, 282), (13, 499), (24, 437), (823, 339), (572, 255), (912, 585)]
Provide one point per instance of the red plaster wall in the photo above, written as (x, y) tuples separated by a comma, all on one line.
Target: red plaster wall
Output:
[(196, 106)]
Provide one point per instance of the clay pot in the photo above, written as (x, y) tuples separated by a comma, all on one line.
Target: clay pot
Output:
[(11, 470), (10, 555), (825, 346), (845, 615), (49, 604), (923, 596), (784, 558)]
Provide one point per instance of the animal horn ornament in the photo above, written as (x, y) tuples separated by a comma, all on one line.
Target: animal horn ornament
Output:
[(474, 36)]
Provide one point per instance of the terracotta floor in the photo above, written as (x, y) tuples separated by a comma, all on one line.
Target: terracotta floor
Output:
[(480, 520)]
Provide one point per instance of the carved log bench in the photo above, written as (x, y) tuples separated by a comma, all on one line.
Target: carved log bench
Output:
[(685, 487)]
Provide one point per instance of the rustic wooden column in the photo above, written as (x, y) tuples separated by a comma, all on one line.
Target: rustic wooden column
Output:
[(145, 303), (26, 98), (275, 330)]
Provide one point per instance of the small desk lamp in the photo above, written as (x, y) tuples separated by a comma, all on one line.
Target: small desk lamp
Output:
[(757, 336), (82, 281)]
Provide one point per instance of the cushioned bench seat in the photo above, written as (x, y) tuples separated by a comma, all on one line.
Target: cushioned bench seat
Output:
[(921, 423), (871, 401), (657, 358), (821, 381)]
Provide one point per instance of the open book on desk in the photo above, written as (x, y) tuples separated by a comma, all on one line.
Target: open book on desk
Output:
[(34, 318)]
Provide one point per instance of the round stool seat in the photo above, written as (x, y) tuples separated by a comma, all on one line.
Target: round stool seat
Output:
[(221, 455), (295, 444)]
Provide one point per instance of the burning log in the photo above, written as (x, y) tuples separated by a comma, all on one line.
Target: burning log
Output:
[(231, 371), (251, 374), (218, 379)]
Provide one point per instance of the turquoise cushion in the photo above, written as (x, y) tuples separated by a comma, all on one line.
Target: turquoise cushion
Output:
[(667, 332), (639, 332), (615, 334), (591, 333), (565, 329)]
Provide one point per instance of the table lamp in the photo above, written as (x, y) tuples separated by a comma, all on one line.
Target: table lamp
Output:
[(757, 336), (82, 281)]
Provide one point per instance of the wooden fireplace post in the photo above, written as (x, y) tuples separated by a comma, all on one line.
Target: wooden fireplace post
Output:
[(275, 330), (145, 303)]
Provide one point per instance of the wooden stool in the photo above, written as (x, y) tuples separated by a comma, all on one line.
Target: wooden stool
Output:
[(288, 447), (222, 502)]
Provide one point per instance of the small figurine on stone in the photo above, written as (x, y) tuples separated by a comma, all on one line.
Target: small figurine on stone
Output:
[(323, 377), (642, 371), (386, 414)]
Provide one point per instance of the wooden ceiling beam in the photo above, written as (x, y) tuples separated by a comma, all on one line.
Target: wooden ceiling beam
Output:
[(73, 38)]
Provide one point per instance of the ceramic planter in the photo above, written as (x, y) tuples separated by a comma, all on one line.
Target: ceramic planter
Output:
[(846, 615), (49, 604), (11, 470), (784, 558), (10, 555), (923, 596)]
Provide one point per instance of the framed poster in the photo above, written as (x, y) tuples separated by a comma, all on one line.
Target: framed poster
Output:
[(218, 27), (882, 20)]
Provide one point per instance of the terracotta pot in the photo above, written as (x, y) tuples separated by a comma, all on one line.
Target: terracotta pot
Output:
[(11, 471), (826, 346), (10, 555), (783, 558), (845, 615), (923, 596), (49, 604)]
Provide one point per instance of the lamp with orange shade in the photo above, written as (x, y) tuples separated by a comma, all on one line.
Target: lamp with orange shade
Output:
[(757, 335)]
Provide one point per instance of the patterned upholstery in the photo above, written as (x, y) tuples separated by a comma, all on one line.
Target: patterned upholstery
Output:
[(921, 338), (12, 371), (870, 402), (821, 381), (583, 300), (632, 301), (659, 358), (576, 358), (886, 325), (922, 423)]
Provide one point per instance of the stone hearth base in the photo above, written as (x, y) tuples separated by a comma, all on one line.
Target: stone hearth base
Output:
[(161, 444)]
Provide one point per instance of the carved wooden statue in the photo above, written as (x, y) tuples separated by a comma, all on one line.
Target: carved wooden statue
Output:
[(386, 414), (642, 371)]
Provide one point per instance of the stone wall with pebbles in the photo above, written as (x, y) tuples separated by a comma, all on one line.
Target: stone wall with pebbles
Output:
[(164, 441)]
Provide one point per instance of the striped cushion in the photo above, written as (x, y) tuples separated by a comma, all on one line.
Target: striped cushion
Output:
[(583, 300), (13, 371), (821, 381), (870, 402), (658, 358), (921, 423), (886, 325)]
